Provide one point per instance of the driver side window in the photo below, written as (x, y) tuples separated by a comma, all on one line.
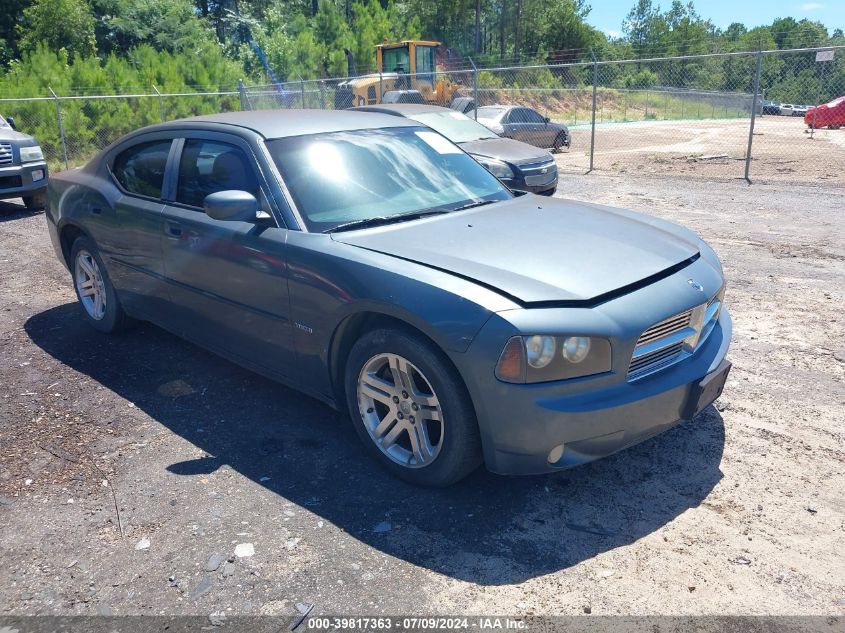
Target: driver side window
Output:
[(208, 167)]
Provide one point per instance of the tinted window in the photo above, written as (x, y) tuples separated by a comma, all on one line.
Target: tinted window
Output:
[(140, 169), (208, 166), (347, 176), (533, 117), (517, 115)]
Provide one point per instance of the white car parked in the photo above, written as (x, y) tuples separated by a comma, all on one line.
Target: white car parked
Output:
[(786, 109)]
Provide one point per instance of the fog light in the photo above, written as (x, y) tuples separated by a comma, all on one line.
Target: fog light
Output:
[(555, 454), (37, 174)]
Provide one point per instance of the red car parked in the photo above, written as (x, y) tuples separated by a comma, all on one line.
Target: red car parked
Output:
[(830, 115)]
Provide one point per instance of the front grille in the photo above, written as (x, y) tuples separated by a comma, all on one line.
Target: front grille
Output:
[(10, 182), (664, 344), (538, 174), (665, 328), (6, 157), (655, 360), (537, 169)]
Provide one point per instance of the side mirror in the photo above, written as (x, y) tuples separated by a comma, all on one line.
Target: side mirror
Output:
[(232, 205), (11, 121), (546, 119)]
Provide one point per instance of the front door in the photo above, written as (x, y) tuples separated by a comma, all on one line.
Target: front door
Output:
[(228, 280)]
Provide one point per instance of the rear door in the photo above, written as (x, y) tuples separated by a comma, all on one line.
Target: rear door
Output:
[(518, 126), (228, 280), (128, 231)]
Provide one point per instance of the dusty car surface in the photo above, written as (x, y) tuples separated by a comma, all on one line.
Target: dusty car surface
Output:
[(526, 125), (23, 171), (520, 166), (371, 263)]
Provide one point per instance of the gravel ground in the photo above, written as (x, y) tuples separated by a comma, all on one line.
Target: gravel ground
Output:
[(238, 495), (782, 151)]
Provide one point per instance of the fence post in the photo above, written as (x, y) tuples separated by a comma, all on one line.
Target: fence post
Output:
[(593, 126), (302, 90), (474, 87), (818, 96), (756, 89), (322, 94), (160, 104), (61, 124), (380, 88), (245, 105)]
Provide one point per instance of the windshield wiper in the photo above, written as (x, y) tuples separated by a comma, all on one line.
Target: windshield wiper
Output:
[(477, 203), (381, 220)]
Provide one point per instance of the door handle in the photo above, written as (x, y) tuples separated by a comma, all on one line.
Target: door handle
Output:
[(96, 210), (172, 229)]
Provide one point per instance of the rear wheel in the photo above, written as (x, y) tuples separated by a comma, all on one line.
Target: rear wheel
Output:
[(94, 290), (36, 201), (410, 408)]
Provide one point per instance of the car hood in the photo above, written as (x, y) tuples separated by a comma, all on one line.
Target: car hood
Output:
[(536, 249), (506, 149), (8, 134)]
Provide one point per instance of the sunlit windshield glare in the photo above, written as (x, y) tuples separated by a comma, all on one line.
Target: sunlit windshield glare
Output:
[(455, 126), (489, 112), (347, 176)]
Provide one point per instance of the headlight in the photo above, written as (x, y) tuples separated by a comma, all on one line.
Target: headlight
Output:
[(31, 154), (528, 359), (498, 168)]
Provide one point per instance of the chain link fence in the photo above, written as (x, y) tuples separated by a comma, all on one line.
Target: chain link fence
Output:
[(732, 115)]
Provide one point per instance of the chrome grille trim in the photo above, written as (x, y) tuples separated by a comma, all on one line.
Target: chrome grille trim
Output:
[(665, 328), (655, 360), (535, 169), (6, 157)]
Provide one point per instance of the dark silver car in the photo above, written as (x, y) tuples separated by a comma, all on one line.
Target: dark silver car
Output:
[(520, 166), (526, 125), (23, 170), (371, 263)]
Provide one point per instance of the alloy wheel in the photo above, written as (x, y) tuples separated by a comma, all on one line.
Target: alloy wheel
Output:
[(90, 285), (400, 410)]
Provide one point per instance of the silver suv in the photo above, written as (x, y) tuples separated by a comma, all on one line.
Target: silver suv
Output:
[(23, 171)]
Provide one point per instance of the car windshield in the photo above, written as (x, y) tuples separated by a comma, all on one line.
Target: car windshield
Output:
[(358, 175), (490, 112), (455, 126)]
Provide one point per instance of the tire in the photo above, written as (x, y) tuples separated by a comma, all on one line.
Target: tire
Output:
[(101, 308), (381, 407), (560, 141), (36, 201)]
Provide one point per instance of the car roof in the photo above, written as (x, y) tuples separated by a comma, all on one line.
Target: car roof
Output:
[(404, 109), (282, 123)]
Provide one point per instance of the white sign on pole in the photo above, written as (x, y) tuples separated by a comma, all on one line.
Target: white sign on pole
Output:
[(824, 56)]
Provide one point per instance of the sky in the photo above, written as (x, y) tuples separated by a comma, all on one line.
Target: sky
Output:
[(607, 15)]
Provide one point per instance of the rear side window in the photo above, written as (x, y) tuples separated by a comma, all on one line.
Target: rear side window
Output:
[(208, 166), (140, 169)]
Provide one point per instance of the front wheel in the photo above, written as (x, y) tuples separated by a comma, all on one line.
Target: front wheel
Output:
[(36, 201), (94, 289), (560, 141), (411, 409)]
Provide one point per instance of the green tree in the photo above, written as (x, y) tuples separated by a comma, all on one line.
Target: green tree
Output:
[(61, 24)]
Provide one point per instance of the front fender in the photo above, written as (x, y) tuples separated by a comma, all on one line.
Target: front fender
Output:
[(329, 282)]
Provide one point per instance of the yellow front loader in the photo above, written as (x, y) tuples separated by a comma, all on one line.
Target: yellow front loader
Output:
[(406, 74)]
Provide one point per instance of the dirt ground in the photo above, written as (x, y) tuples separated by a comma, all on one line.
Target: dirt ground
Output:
[(739, 511), (782, 150)]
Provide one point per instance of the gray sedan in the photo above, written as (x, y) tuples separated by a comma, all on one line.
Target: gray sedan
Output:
[(520, 166), (372, 264), (526, 125)]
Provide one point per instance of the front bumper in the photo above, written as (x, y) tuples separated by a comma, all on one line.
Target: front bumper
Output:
[(594, 416), (21, 180), (523, 423), (546, 188)]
